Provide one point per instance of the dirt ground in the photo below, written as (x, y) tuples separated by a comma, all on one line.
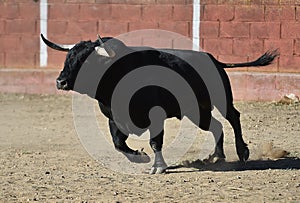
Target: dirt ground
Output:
[(43, 160)]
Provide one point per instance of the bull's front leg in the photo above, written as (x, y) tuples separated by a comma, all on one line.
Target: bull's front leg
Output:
[(119, 140), (156, 143)]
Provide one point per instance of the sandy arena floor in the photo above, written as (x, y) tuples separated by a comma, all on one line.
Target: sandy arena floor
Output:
[(43, 160)]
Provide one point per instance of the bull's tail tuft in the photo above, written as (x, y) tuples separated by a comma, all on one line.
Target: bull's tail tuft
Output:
[(266, 59)]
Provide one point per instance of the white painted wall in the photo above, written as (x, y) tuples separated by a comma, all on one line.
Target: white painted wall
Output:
[(43, 29), (196, 25)]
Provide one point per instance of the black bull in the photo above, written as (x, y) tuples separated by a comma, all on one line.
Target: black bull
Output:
[(118, 60)]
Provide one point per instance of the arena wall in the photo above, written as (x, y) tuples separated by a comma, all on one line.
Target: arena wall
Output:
[(233, 31)]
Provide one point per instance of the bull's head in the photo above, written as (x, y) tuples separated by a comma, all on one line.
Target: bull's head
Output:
[(77, 55)]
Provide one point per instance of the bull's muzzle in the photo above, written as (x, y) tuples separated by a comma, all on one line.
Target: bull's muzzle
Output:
[(62, 84)]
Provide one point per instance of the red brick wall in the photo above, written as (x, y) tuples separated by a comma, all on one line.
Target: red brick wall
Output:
[(72, 20), (19, 30), (241, 30), (232, 30)]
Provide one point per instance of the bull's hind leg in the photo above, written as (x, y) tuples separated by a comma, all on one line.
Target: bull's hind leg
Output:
[(156, 142), (233, 116), (119, 140), (209, 123), (217, 130)]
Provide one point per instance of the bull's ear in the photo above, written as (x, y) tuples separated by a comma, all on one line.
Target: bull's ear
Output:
[(104, 49)]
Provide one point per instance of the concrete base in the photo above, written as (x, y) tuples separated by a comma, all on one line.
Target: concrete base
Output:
[(261, 86), (246, 86)]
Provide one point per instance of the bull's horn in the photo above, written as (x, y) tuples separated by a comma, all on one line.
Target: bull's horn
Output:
[(103, 49), (59, 47)]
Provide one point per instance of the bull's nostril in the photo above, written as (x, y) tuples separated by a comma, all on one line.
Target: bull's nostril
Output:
[(61, 83)]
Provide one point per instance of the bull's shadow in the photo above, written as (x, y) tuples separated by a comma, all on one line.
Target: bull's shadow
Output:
[(284, 164)]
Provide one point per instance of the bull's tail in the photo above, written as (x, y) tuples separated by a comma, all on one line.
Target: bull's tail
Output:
[(266, 59)]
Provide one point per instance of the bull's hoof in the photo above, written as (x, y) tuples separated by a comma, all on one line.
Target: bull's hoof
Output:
[(138, 157), (243, 153), (214, 158), (158, 169)]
